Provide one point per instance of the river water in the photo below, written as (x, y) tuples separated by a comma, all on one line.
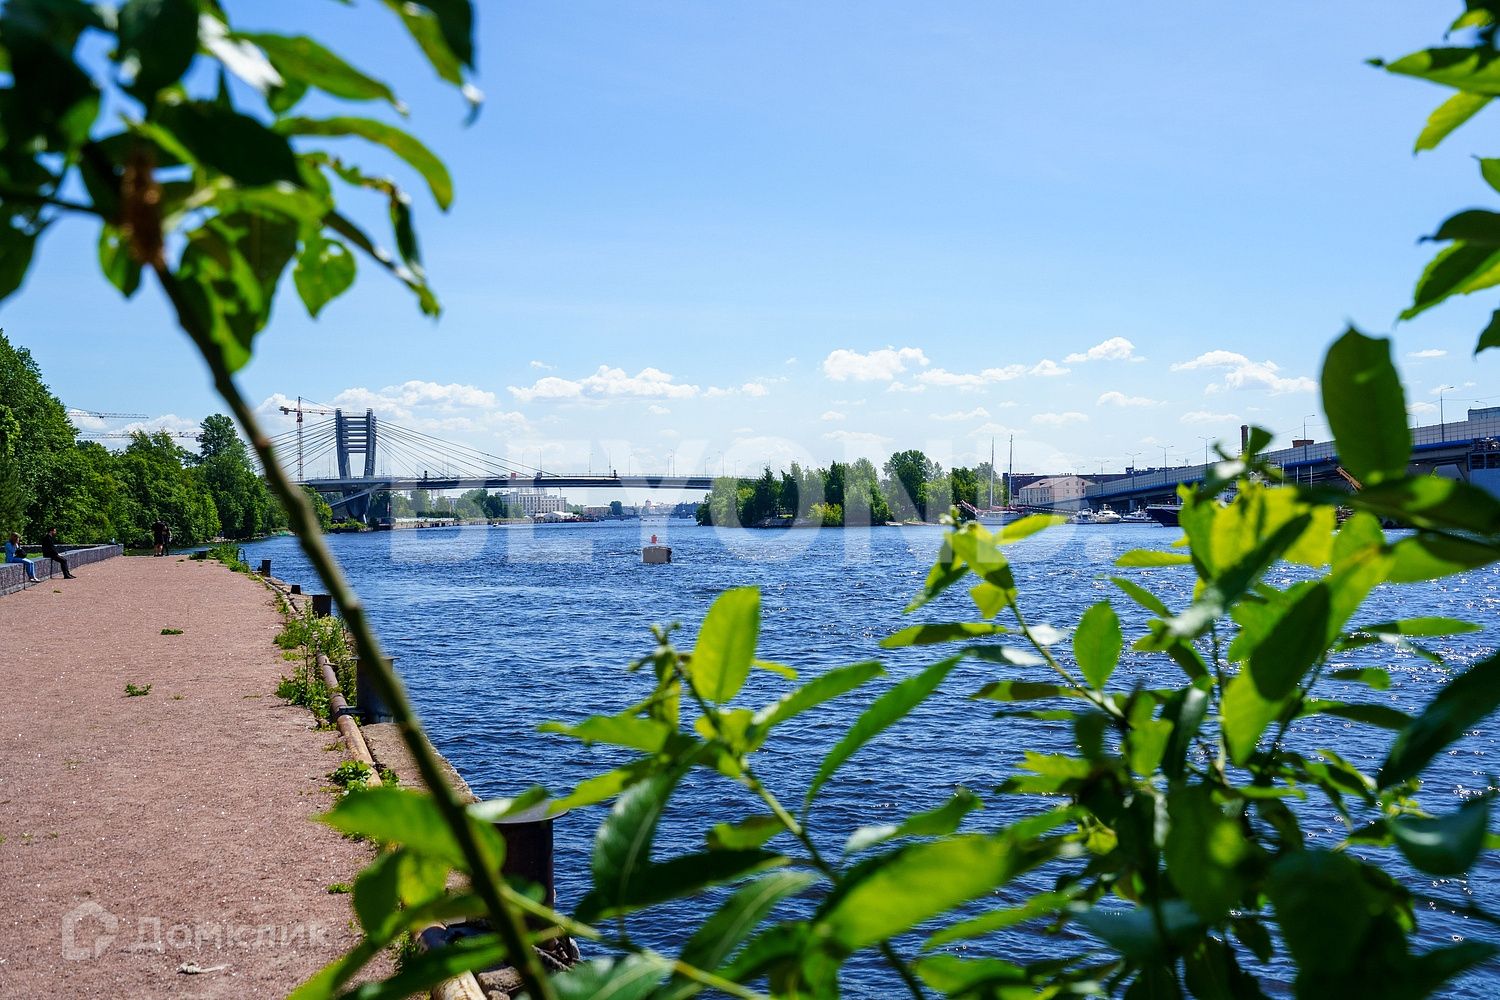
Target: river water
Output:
[(496, 630)]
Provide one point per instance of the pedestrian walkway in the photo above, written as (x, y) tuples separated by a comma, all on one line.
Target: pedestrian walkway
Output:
[(143, 837)]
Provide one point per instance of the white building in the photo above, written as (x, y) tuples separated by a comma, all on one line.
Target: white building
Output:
[(534, 502), (1051, 491)]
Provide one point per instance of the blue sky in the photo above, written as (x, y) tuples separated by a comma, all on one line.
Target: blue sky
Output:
[(716, 234)]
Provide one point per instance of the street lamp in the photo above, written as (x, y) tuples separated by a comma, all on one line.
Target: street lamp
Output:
[(1205, 453), (1442, 420), (1132, 456)]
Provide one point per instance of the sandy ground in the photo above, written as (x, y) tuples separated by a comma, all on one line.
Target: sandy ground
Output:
[(141, 833)]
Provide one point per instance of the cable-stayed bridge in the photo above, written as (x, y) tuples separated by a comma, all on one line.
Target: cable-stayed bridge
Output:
[(392, 457)]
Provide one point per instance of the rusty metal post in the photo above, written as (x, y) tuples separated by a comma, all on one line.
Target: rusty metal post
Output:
[(265, 567), (322, 605), (528, 847), (296, 588), (366, 699)]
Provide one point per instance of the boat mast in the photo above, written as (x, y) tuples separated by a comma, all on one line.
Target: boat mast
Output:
[(1010, 475), (992, 473)]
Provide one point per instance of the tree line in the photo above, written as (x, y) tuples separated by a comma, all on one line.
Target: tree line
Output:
[(51, 478), (908, 486)]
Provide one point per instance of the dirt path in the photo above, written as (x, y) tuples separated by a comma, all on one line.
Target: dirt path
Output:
[(142, 833)]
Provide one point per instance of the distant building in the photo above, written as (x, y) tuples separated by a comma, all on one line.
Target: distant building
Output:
[(1052, 490), (534, 502)]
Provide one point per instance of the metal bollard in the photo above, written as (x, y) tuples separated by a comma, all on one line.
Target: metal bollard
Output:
[(371, 707), (322, 605), (265, 567), (528, 847), (296, 588)]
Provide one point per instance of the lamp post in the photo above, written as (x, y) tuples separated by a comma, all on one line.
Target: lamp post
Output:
[(1132, 456), (1442, 419), (1205, 453)]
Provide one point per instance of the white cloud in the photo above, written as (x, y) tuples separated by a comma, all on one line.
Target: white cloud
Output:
[(961, 380), (1205, 417), (903, 387), (1422, 409), (978, 413), (876, 366), (831, 415), (861, 443), (657, 409), (1047, 368), (790, 361), (1113, 349), (994, 429), (1059, 419), (166, 422), (607, 383), (1241, 373), (1431, 352), (754, 389), (542, 365), (1113, 398)]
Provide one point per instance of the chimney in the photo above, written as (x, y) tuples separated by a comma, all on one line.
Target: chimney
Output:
[(1244, 438)]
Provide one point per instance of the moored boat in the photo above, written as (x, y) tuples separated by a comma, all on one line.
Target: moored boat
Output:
[(1164, 514)]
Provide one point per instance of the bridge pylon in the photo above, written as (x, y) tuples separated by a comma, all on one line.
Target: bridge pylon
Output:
[(355, 436)]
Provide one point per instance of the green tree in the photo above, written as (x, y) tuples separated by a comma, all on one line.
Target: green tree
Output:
[(320, 506), (864, 499), (907, 474), (244, 504), (36, 432), (85, 500), (159, 486)]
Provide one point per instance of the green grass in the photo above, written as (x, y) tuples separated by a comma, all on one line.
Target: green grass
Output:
[(171, 631), (133, 691)]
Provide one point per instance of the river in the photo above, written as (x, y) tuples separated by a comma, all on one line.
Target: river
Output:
[(496, 630)]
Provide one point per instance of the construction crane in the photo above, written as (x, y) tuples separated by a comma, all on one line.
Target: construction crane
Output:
[(184, 435), (106, 416), (299, 409)]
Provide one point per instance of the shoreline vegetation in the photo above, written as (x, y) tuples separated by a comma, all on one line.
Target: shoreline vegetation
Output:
[(909, 488)]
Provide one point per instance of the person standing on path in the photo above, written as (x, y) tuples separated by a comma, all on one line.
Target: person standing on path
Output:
[(49, 549), (15, 554), (159, 535)]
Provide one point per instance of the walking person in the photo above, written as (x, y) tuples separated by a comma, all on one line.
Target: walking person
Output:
[(15, 554), (159, 534), (49, 549)]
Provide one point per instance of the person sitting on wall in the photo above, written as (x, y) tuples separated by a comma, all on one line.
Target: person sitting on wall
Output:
[(49, 549), (15, 554)]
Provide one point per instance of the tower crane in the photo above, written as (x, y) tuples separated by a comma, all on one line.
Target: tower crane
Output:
[(299, 409)]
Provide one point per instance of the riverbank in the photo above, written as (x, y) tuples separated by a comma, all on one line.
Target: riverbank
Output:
[(144, 836)]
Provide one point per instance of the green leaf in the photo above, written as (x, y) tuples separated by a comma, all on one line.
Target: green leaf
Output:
[(401, 143), (1324, 907), (933, 823), (1432, 502), (633, 977), (1432, 557), (927, 635), (1461, 703), (622, 845), (416, 282), (1152, 557), (425, 969), (902, 889), (230, 143), (1448, 116), (951, 975), (1205, 852), (301, 59), (1028, 526), (1040, 905), (436, 36), (1137, 932), (1244, 715), (1297, 640), (616, 730), (1366, 408), (1430, 625), (1456, 270), (718, 936), (16, 248), (324, 271), (946, 570), (679, 877), (750, 832), (162, 37), (116, 263), (1024, 691), (1229, 584), (1097, 644), (1444, 845), (1476, 227), (1142, 596), (1376, 715), (882, 713), (1473, 70), (726, 644), (1376, 678), (400, 816), (229, 274), (1490, 335), (824, 687)]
